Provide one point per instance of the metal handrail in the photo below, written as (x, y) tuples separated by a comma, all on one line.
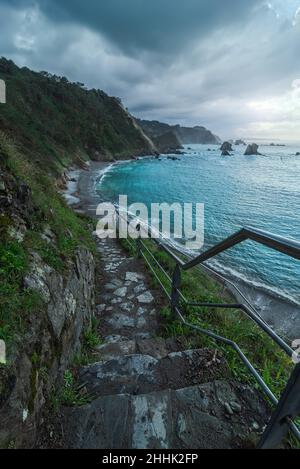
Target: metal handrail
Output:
[(278, 243)]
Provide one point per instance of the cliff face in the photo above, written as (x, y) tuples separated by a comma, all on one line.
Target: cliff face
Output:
[(167, 142), (48, 346), (53, 119), (47, 287), (185, 135)]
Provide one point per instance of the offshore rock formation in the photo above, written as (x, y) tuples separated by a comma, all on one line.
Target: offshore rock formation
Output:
[(226, 148), (252, 150)]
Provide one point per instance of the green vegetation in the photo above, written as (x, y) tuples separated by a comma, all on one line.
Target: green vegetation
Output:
[(69, 395), (57, 123), (48, 124), (91, 336), (91, 340), (46, 209), (274, 366), (15, 301)]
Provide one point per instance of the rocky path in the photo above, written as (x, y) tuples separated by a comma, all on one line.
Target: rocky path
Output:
[(148, 392)]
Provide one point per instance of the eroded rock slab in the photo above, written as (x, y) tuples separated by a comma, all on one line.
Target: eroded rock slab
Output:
[(187, 418), (137, 374)]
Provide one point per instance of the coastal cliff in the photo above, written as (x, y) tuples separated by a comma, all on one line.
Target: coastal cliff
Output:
[(184, 135), (59, 123), (47, 288)]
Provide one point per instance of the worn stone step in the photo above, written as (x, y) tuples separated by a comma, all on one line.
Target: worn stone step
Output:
[(216, 415), (156, 347), (137, 374)]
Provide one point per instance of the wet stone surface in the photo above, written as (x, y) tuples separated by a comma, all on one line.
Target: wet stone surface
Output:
[(147, 392)]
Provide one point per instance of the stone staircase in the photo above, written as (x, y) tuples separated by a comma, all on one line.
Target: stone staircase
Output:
[(151, 393)]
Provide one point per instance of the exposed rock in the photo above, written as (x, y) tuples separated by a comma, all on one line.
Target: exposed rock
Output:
[(139, 289), (119, 321), (240, 142), (252, 149), (111, 351), (164, 419), (135, 374), (55, 333), (226, 146), (146, 298), (121, 292), (225, 153), (133, 277)]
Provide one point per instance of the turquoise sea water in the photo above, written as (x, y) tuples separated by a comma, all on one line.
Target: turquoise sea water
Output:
[(258, 191)]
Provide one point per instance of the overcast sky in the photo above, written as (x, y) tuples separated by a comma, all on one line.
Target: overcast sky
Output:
[(230, 65)]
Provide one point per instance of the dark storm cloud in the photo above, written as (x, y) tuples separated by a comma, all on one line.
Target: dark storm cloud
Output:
[(156, 25), (227, 64)]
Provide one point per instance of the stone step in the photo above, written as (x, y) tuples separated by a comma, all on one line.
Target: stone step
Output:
[(216, 415), (157, 347), (137, 374)]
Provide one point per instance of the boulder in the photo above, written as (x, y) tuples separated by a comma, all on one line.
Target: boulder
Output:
[(252, 149), (226, 146), (225, 153)]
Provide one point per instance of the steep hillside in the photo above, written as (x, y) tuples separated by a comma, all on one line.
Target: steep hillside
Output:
[(57, 122), (167, 142), (185, 135)]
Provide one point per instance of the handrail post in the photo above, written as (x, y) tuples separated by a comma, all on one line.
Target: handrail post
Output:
[(176, 283), (138, 243), (287, 410)]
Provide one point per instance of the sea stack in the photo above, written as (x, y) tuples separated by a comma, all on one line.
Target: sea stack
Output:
[(252, 150), (226, 148)]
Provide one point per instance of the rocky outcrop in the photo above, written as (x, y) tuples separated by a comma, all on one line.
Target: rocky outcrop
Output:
[(252, 150), (240, 142), (47, 348), (226, 148)]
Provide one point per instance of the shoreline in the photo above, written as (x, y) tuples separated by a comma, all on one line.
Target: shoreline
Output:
[(279, 313)]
